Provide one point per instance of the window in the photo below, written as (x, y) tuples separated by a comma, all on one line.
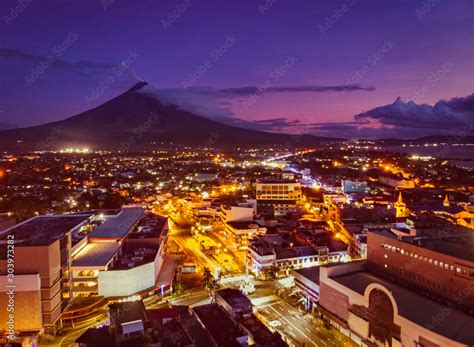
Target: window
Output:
[(458, 269)]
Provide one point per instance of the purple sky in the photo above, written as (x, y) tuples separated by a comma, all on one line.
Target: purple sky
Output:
[(302, 54)]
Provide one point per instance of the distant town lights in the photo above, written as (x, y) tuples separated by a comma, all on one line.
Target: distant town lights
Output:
[(75, 150)]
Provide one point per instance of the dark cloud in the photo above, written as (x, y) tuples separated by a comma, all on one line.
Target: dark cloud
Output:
[(56, 62), (272, 125), (445, 116), (216, 103), (243, 91)]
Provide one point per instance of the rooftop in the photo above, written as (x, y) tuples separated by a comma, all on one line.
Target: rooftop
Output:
[(311, 273), (172, 334), (260, 333), (295, 252), (127, 312), (44, 230), (116, 227), (457, 325), (234, 297), (276, 181), (95, 254), (457, 245), (223, 329)]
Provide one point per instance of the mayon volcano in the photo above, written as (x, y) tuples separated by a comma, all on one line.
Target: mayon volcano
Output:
[(139, 120)]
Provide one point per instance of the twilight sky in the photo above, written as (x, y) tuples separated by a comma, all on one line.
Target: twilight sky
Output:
[(347, 68)]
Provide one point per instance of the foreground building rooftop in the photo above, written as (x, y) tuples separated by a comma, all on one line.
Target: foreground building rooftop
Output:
[(455, 325), (44, 230), (116, 227), (96, 255)]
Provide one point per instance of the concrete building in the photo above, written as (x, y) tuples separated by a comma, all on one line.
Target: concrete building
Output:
[(270, 255), (42, 249), (397, 182), (277, 196), (241, 232), (307, 282), (123, 256), (414, 289), (236, 214), (57, 258)]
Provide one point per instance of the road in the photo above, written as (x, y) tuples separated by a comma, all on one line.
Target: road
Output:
[(71, 335), (298, 328)]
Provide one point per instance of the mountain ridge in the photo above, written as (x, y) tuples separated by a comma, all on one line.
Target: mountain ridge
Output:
[(135, 120)]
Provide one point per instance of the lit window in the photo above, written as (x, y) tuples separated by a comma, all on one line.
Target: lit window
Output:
[(385, 256), (403, 251), (436, 262), (385, 266)]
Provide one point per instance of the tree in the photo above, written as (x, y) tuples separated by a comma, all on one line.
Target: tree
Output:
[(208, 280), (178, 287)]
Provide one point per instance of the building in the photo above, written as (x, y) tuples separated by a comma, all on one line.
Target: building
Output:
[(277, 196), (432, 257), (234, 302), (307, 281), (58, 257), (123, 256), (414, 289), (236, 214), (42, 257), (223, 330), (349, 186), (401, 208), (241, 232), (270, 255), (397, 182), (130, 322)]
